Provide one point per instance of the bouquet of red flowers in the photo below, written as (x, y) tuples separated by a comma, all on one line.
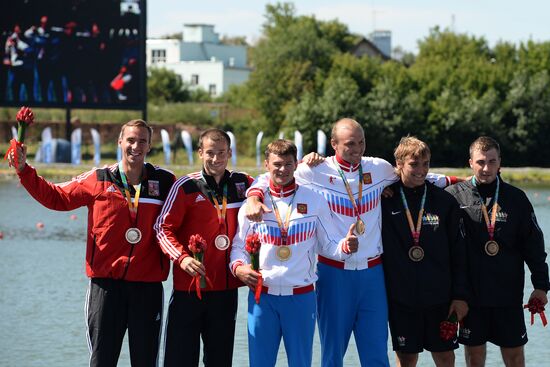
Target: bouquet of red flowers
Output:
[(535, 306), (24, 118), (252, 246), (448, 328), (197, 245)]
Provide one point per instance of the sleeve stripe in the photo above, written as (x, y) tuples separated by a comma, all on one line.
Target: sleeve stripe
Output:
[(164, 242)]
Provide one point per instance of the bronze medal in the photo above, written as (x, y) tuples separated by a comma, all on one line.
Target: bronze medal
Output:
[(133, 235), (284, 253), (360, 227), (491, 248), (416, 253), (222, 242)]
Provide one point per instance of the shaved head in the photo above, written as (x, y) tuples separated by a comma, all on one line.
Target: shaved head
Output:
[(348, 140), (344, 124)]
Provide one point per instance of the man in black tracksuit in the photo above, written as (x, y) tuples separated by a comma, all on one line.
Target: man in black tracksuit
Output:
[(503, 234), (426, 281)]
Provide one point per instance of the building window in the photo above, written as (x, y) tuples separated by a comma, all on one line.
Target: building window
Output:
[(158, 56), (212, 89), (195, 79)]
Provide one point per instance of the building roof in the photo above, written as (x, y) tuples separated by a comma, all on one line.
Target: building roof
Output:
[(366, 47)]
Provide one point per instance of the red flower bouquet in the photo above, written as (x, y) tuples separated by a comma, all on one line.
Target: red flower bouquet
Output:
[(535, 306), (448, 328), (252, 246), (197, 245), (24, 118)]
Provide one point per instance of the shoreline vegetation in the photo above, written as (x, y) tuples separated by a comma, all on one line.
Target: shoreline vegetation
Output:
[(60, 172)]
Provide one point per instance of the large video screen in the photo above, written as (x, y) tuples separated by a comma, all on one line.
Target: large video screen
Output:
[(73, 53)]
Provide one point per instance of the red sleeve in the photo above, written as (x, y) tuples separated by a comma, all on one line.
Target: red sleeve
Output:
[(64, 196), (169, 221), (451, 180)]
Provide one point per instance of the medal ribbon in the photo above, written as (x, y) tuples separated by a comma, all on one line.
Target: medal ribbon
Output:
[(415, 232), (220, 209), (283, 227), (348, 188), (492, 223), (132, 207)]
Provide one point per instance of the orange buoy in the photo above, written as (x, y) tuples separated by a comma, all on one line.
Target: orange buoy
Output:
[(39, 225), (73, 217)]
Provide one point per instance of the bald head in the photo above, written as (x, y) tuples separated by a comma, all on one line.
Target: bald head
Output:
[(344, 124), (348, 140)]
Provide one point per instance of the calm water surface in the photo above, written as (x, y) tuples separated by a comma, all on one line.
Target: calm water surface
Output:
[(43, 287)]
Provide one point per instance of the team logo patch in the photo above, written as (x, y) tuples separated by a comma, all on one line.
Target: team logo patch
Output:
[(402, 341), (111, 189), (430, 220), (241, 189), (367, 179), (502, 217), (154, 188), (302, 208), (331, 179), (199, 198)]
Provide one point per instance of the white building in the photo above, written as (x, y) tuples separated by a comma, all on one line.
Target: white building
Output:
[(200, 59)]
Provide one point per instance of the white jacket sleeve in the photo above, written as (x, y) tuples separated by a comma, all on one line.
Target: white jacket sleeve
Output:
[(258, 187), (239, 255)]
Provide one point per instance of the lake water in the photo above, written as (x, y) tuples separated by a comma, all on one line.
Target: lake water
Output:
[(43, 287)]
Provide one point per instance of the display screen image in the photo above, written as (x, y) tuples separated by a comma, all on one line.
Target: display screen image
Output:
[(73, 53)]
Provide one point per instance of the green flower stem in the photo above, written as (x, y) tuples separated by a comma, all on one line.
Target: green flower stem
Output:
[(21, 131)]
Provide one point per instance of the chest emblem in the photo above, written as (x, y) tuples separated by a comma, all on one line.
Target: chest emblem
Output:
[(431, 220), (154, 188), (367, 179), (241, 189), (301, 208), (331, 179)]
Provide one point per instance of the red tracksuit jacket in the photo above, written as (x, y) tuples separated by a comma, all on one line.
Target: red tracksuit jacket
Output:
[(108, 254)]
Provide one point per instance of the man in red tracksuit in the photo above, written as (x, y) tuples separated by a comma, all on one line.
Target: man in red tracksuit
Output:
[(204, 203), (123, 260)]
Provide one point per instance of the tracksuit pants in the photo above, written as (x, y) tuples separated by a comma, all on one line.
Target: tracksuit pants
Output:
[(189, 319), (352, 301), (112, 306), (290, 317)]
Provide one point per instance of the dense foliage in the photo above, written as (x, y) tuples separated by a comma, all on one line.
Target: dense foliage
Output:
[(455, 89)]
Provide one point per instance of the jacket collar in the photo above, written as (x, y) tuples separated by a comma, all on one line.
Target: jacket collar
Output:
[(346, 166), (282, 191)]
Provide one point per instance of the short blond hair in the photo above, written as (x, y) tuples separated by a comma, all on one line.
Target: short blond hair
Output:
[(281, 147), (411, 146)]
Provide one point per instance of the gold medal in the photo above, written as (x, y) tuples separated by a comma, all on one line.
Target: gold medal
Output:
[(416, 253), (491, 248), (359, 227), (133, 235), (283, 253), (222, 242)]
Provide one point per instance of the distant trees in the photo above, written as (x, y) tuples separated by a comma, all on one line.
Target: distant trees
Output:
[(165, 85), (454, 90)]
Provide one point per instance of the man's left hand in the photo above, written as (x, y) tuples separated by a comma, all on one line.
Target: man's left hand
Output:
[(540, 294), (351, 242)]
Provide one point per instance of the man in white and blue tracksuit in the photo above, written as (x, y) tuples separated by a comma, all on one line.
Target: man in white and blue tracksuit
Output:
[(299, 226)]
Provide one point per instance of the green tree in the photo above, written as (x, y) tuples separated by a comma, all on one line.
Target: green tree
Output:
[(289, 58), (164, 85)]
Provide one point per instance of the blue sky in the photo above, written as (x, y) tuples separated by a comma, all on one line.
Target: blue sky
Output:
[(409, 20)]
